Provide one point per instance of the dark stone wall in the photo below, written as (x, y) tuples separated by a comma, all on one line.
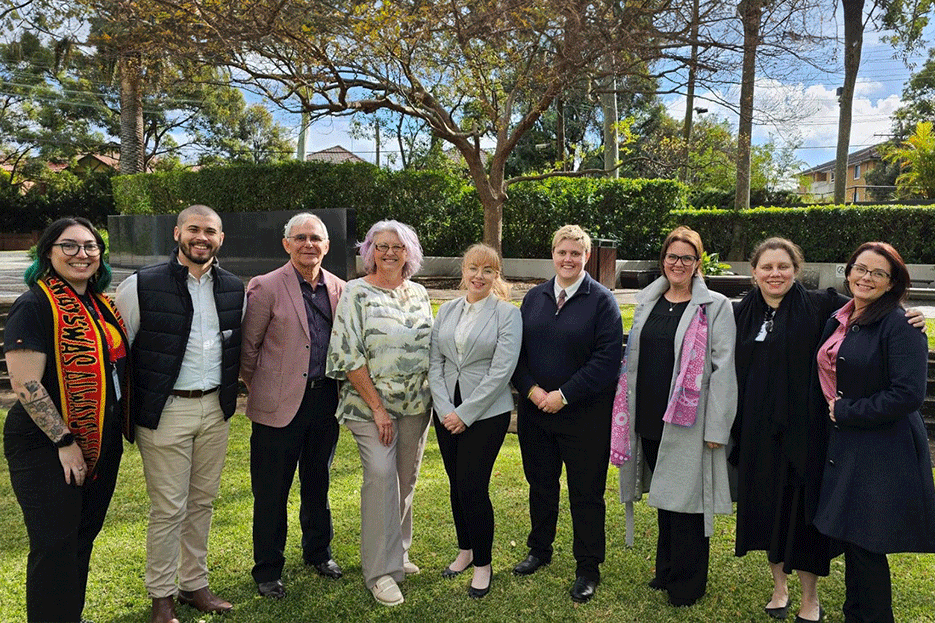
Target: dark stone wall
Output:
[(252, 240)]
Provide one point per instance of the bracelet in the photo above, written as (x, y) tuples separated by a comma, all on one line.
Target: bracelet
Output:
[(531, 390)]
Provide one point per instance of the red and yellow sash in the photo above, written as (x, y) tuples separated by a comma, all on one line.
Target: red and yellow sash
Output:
[(80, 364)]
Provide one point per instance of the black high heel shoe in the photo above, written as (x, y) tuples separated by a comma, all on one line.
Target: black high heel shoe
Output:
[(478, 593), (821, 617), (779, 613)]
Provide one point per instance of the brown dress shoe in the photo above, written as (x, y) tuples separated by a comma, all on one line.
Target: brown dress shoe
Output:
[(204, 600), (163, 611)]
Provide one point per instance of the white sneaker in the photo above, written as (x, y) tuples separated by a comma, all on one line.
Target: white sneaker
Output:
[(387, 592), (410, 568)]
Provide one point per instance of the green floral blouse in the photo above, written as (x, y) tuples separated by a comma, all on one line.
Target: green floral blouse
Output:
[(389, 332)]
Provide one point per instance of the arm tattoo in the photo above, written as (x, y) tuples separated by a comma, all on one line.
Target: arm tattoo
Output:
[(42, 410)]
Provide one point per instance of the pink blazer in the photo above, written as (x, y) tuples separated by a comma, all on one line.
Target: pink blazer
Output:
[(275, 351)]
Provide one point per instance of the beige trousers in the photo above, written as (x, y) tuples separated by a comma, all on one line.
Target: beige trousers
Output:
[(390, 474), (182, 463)]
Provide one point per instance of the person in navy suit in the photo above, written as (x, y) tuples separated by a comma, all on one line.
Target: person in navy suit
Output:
[(475, 345), (567, 374)]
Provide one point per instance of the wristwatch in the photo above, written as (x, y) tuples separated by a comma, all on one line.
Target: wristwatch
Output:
[(66, 440)]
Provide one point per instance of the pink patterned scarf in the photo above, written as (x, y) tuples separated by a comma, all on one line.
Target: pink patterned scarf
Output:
[(683, 408)]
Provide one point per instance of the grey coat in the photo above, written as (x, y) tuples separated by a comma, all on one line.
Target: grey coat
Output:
[(689, 477), (490, 357)]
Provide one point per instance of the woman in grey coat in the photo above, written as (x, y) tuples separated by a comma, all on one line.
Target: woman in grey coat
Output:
[(680, 403)]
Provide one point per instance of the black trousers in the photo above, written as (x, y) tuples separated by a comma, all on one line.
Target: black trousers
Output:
[(469, 458), (682, 549), (581, 441), (62, 520), (868, 589), (307, 441)]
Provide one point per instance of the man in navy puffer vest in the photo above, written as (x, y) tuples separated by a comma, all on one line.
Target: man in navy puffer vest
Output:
[(183, 321)]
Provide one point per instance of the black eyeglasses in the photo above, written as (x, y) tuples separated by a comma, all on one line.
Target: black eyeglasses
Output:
[(686, 260), (91, 249)]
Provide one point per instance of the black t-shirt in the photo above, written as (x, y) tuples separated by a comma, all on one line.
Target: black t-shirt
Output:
[(29, 327), (657, 362)]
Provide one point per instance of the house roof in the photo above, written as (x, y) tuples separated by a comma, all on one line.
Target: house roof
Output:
[(857, 157), (334, 154)]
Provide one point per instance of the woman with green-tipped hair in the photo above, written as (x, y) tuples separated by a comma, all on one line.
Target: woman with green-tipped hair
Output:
[(65, 348)]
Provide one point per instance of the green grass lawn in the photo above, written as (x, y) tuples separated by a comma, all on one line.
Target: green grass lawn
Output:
[(737, 590)]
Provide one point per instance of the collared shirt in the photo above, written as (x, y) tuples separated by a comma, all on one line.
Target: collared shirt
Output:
[(318, 312), (201, 364), (828, 353), (469, 314), (570, 290)]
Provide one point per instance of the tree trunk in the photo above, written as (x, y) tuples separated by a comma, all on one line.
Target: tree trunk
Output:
[(131, 113), (853, 41), (559, 135), (690, 94), (609, 108), (750, 14)]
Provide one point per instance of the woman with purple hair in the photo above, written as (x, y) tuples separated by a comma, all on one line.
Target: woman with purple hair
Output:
[(380, 344)]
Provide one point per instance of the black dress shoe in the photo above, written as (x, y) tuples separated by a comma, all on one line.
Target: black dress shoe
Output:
[(821, 617), (778, 613), (529, 565), (477, 593), (329, 569), (274, 589), (657, 585), (583, 589)]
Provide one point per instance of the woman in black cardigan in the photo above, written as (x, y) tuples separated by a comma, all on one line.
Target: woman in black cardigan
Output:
[(877, 495)]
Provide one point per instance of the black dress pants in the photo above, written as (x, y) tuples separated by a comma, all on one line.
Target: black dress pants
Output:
[(62, 520), (308, 441), (682, 549), (581, 441), (868, 589), (469, 458)]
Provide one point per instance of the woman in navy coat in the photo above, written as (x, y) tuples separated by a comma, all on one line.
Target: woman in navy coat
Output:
[(877, 495)]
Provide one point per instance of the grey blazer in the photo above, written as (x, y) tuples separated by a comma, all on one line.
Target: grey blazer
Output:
[(490, 357)]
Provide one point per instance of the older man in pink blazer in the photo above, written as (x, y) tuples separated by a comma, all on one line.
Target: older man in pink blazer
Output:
[(286, 329)]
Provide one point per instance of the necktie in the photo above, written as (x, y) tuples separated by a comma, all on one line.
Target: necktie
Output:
[(560, 301)]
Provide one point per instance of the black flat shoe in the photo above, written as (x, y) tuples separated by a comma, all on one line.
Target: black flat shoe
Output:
[(778, 613), (657, 585), (529, 565), (583, 589), (449, 573), (478, 593), (821, 617)]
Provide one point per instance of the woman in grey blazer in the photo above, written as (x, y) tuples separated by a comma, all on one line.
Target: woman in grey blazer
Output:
[(475, 345)]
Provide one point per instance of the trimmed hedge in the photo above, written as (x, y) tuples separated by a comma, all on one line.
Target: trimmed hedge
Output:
[(825, 233), (88, 196), (444, 209)]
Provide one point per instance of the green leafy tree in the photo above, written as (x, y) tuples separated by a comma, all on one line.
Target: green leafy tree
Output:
[(916, 157)]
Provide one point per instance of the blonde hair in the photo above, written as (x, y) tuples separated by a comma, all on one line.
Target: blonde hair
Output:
[(572, 232), (481, 254)]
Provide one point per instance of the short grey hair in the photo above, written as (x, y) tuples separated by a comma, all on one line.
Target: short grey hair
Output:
[(301, 218)]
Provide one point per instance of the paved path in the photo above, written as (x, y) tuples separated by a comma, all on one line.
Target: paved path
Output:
[(14, 263)]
